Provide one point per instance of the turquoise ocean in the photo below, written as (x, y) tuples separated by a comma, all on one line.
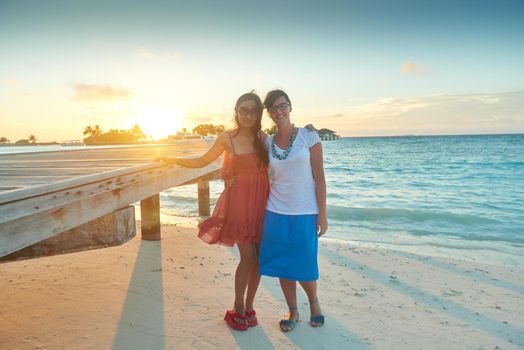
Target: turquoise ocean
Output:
[(447, 196)]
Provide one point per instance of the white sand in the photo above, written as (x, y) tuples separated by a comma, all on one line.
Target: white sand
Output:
[(172, 294)]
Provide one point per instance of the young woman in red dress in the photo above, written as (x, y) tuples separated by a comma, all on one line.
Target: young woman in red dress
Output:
[(239, 211)]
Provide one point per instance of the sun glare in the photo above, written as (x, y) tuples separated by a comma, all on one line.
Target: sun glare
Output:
[(158, 122)]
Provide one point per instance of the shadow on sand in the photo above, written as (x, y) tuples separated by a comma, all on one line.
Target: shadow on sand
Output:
[(141, 324), (474, 274), (303, 335), (503, 331)]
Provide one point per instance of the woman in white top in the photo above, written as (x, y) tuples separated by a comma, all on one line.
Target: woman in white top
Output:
[(296, 210)]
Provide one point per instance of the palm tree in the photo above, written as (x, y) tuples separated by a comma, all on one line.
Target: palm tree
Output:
[(4, 140), (32, 138), (114, 131), (93, 130), (137, 132), (88, 130), (97, 131)]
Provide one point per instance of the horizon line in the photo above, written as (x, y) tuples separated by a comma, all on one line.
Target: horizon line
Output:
[(342, 137), (432, 135)]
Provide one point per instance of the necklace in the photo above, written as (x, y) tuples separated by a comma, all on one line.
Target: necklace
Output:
[(286, 152)]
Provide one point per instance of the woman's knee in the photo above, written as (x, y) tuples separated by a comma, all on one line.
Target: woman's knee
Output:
[(248, 259), (248, 255)]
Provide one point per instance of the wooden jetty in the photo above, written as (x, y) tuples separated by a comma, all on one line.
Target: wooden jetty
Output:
[(46, 194)]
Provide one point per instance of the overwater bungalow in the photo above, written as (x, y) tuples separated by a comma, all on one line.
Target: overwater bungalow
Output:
[(325, 134), (328, 135)]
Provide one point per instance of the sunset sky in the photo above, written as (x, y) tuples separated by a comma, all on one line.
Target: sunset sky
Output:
[(360, 68)]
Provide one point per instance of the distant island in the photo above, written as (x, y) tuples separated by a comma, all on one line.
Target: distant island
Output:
[(30, 141), (96, 136)]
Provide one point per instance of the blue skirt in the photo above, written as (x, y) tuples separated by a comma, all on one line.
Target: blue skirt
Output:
[(289, 247)]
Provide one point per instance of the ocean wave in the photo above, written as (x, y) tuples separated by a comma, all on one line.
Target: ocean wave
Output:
[(465, 236), (171, 200), (177, 198), (417, 216), (458, 245), (179, 214), (390, 231)]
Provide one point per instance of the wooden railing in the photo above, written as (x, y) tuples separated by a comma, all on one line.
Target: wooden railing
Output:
[(30, 215)]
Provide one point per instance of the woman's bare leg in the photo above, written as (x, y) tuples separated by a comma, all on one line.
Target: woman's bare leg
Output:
[(252, 284), (247, 261), (289, 288), (311, 290)]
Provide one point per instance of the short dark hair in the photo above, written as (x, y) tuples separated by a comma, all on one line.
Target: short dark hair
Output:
[(273, 95)]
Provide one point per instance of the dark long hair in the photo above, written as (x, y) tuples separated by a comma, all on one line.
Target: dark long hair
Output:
[(260, 147)]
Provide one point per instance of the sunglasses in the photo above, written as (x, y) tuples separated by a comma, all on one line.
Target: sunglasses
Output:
[(246, 112), (281, 107)]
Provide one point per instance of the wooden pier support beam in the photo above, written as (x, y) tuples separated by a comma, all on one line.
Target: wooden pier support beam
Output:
[(203, 198), (150, 218), (109, 230)]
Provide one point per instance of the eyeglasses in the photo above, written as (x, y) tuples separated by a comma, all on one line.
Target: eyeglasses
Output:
[(246, 112), (281, 107)]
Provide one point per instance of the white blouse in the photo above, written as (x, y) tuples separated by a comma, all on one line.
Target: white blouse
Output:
[(292, 183)]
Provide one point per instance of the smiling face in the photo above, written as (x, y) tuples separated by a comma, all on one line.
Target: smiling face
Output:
[(279, 111)]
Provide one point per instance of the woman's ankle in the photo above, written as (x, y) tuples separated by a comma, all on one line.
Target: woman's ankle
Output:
[(293, 312), (313, 301), (239, 309), (314, 307)]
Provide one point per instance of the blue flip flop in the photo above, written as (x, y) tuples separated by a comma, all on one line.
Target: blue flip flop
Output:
[(287, 325), (316, 321)]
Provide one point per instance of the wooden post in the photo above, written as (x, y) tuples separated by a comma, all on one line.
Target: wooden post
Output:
[(150, 218), (203, 198)]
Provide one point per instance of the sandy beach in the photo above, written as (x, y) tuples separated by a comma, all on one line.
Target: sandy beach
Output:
[(172, 294)]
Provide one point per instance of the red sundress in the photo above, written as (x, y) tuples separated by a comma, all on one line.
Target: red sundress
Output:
[(239, 211)]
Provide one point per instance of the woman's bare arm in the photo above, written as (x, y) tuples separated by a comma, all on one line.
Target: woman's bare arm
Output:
[(317, 165), (213, 153)]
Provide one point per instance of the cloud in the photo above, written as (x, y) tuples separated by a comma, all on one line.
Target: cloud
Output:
[(436, 114), (150, 55), (412, 68), (99, 92)]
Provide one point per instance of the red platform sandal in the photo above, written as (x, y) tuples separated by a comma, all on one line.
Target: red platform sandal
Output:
[(251, 317), (231, 319)]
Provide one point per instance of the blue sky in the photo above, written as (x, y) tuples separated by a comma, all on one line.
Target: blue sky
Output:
[(358, 67)]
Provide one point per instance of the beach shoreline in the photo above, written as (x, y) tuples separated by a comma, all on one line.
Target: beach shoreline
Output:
[(173, 293)]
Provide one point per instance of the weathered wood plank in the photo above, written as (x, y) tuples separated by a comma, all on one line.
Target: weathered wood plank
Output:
[(10, 196), (52, 196), (109, 230), (19, 169), (22, 232), (42, 194)]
